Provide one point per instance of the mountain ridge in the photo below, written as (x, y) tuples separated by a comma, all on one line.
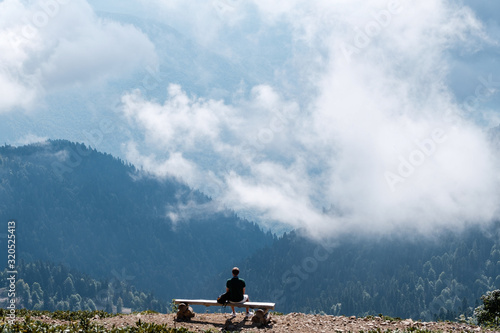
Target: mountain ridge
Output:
[(93, 212), (422, 278), (100, 215)]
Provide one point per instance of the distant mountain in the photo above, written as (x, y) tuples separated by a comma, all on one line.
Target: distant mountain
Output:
[(439, 277), (103, 217), (95, 213)]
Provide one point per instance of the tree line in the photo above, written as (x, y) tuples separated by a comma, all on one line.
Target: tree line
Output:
[(47, 286), (427, 278)]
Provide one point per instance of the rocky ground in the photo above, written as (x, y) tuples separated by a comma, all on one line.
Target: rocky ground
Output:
[(293, 322)]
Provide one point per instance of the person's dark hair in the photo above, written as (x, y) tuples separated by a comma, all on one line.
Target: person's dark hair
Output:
[(236, 271)]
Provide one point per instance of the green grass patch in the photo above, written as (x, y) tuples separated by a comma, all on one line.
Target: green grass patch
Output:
[(78, 321)]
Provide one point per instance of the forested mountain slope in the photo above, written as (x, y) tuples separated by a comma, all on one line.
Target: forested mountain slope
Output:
[(92, 212), (420, 278), (46, 286)]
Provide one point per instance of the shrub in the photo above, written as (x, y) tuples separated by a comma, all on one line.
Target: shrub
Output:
[(488, 314)]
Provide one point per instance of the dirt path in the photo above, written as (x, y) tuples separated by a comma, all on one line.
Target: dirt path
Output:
[(293, 322)]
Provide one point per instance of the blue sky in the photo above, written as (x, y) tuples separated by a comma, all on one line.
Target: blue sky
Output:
[(334, 116)]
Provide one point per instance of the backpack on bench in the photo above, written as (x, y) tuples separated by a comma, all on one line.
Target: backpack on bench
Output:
[(223, 299)]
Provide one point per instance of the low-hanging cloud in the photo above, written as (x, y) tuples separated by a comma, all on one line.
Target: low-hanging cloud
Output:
[(47, 45), (380, 145)]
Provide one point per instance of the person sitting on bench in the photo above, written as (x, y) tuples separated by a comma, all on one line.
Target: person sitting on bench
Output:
[(236, 289)]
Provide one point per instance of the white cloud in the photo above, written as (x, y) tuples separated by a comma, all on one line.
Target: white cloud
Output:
[(356, 128), (176, 165), (14, 92), (30, 139), (180, 123), (52, 44), (379, 145), (202, 21)]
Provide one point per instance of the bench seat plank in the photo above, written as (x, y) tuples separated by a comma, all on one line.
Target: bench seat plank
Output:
[(206, 302)]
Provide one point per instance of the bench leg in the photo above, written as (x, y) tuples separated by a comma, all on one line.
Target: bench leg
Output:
[(185, 312)]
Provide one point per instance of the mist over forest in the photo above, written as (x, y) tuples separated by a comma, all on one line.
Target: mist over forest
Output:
[(126, 240)]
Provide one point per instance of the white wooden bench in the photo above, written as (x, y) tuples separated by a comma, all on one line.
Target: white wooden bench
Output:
[(261, 315)]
